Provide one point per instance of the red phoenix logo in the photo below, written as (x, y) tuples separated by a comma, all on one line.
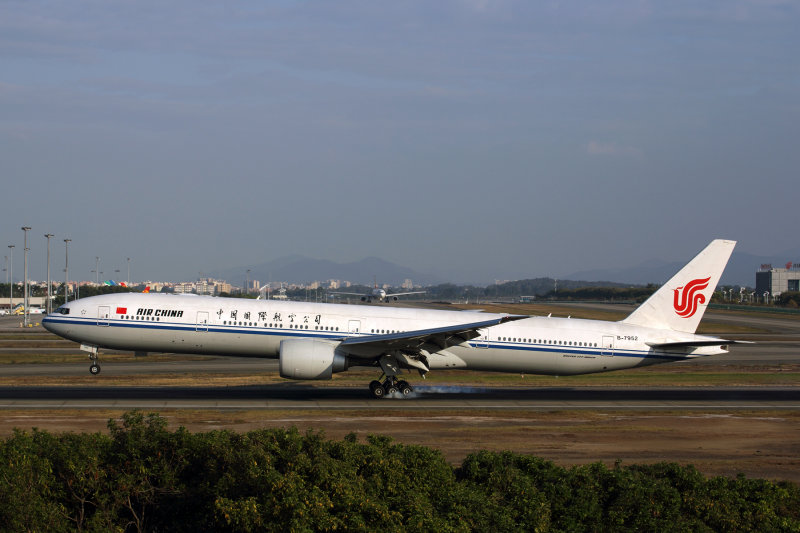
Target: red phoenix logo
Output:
[(688, 297)]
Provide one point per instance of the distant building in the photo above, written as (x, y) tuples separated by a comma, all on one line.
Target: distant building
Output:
[(778, 280), (408, 284), (206, 287), (183, 288)]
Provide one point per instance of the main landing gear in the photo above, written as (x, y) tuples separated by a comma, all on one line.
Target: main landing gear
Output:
[(390, 387)]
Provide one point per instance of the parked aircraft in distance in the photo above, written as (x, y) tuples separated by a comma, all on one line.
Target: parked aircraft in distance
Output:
[(314, 340), (20, 310)]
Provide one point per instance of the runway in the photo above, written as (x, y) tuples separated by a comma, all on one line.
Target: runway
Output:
[(763, 353), (150, 365), (292, 396), (779, 349)]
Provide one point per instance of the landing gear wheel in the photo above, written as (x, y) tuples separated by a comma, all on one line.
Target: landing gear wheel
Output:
[(94, 369), (404, 388), (374, 385), (390, 388), (378, 391)]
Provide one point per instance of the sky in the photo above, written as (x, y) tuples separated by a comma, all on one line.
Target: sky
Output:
[(471, 139)]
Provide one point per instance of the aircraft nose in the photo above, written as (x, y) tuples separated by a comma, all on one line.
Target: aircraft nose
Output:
[(48, 324), (53, 322)]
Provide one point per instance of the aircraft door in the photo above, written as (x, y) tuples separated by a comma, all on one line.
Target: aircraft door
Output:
[(354, 326), (202, 321), (483, 340), (608, 346), (103, 313)]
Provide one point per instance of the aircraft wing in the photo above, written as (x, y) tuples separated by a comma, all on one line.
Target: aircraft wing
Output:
[(351, 293), (404, 293), (431, 340)]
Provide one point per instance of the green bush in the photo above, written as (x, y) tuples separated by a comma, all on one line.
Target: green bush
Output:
[(143, 477)]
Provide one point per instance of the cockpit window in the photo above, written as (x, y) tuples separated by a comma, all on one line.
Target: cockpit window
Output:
[(63, 310)]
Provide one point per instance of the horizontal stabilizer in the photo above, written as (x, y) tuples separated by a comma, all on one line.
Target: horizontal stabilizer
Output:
[(697, 343)]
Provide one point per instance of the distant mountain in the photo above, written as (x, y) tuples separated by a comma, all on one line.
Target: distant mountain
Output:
[(300, 269), (741, 270)]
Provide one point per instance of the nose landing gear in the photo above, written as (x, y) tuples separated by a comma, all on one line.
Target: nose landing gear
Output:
[(94, 368)]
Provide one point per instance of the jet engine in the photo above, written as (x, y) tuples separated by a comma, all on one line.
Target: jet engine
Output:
[(310, 359)]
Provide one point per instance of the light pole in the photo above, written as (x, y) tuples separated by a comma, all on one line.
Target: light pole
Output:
[(25, 230), (97, 270), (48, 307), (11, 277), (66, 269), (129, 272)]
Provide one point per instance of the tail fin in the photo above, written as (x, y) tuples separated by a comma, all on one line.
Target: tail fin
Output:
[(680, 303)]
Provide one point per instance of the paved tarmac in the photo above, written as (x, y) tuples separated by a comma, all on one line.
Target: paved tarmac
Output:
[(288, 396), (763, 353), (293, 396)]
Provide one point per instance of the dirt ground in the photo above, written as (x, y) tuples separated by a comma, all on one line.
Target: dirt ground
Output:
[(758, 444)]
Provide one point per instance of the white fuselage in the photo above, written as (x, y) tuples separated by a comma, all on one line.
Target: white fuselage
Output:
[(255, 328)]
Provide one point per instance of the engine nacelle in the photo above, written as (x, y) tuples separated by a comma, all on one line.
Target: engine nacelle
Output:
[(310, 359), (394, 298)]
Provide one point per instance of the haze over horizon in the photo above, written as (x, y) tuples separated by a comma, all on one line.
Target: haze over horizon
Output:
[(469, 139)]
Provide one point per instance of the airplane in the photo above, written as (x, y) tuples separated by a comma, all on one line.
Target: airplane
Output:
[(378, 294), (314, 340)]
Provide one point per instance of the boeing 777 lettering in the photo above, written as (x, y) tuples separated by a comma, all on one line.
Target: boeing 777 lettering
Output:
[(314, 340)]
